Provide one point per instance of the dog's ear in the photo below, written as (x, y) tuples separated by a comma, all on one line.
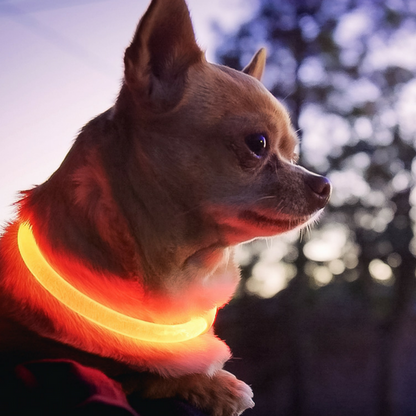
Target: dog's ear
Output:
[(256, 66), (162, 50)]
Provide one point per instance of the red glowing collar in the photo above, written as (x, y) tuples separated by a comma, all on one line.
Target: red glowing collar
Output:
[(94, 311)]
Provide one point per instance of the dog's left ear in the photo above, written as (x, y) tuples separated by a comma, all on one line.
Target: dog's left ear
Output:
[(162, 50), (256, 66)]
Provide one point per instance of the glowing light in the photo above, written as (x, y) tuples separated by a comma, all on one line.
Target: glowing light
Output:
[(322, 275), (329, 246), (98, 313), (381, 271), (336, 266), (270, 278)]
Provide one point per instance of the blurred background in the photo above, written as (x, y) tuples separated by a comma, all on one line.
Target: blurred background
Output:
[(321, 325)]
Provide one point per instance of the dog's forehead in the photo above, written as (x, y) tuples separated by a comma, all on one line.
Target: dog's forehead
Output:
[(248, 94), (226, 87)]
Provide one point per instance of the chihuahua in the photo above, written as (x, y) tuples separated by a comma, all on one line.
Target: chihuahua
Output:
[(120, 260)]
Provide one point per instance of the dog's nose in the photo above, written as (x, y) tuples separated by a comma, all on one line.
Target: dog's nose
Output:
[(321, 188)]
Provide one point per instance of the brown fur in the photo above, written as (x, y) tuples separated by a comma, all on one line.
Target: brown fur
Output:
[(145, 209)]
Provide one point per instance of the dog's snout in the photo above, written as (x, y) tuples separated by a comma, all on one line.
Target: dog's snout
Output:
[(320, 185), (321, 188)]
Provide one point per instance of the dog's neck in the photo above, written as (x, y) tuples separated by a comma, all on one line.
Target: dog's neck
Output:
[(24, 300), (47, 317), (98, 313), (180, 297)]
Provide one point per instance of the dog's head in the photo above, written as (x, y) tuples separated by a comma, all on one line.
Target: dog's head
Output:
[(223, 145)]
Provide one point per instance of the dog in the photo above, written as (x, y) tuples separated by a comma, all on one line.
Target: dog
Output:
[(121, 259)]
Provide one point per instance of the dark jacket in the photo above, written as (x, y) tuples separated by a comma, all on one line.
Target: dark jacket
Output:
[(67, 388)]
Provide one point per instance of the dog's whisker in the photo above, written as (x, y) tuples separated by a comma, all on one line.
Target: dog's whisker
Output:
[(266, 197)]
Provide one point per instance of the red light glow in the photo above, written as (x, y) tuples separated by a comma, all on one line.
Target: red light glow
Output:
[(101, 314)]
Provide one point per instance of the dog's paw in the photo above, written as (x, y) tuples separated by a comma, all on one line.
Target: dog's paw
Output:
[(221, 394)]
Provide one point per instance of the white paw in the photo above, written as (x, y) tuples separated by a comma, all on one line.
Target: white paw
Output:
[(239, 397), (221, 394)]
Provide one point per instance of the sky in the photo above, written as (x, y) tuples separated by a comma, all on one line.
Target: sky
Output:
[(61, 66)]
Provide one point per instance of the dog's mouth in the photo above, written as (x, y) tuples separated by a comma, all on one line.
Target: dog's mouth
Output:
[(272, 224), (248, 224)]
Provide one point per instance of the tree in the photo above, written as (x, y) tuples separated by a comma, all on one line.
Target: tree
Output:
[(346, 72)]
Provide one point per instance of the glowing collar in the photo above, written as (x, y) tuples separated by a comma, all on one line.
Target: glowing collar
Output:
[(98, 313)]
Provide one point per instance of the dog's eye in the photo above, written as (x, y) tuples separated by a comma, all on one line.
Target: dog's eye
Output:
[(257, 144)]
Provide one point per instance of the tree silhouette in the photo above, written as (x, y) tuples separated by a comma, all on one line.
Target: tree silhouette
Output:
[(346, 72)]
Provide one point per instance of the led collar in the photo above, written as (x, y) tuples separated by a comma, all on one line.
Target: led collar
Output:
[(95, 311)]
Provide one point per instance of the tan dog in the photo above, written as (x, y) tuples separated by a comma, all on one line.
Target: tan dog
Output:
[(142, 215)]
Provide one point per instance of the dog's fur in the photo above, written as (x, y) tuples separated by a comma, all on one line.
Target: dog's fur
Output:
[(144, 211)]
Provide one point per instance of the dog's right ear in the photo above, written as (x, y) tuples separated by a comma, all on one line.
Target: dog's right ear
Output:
[(162, 50)]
